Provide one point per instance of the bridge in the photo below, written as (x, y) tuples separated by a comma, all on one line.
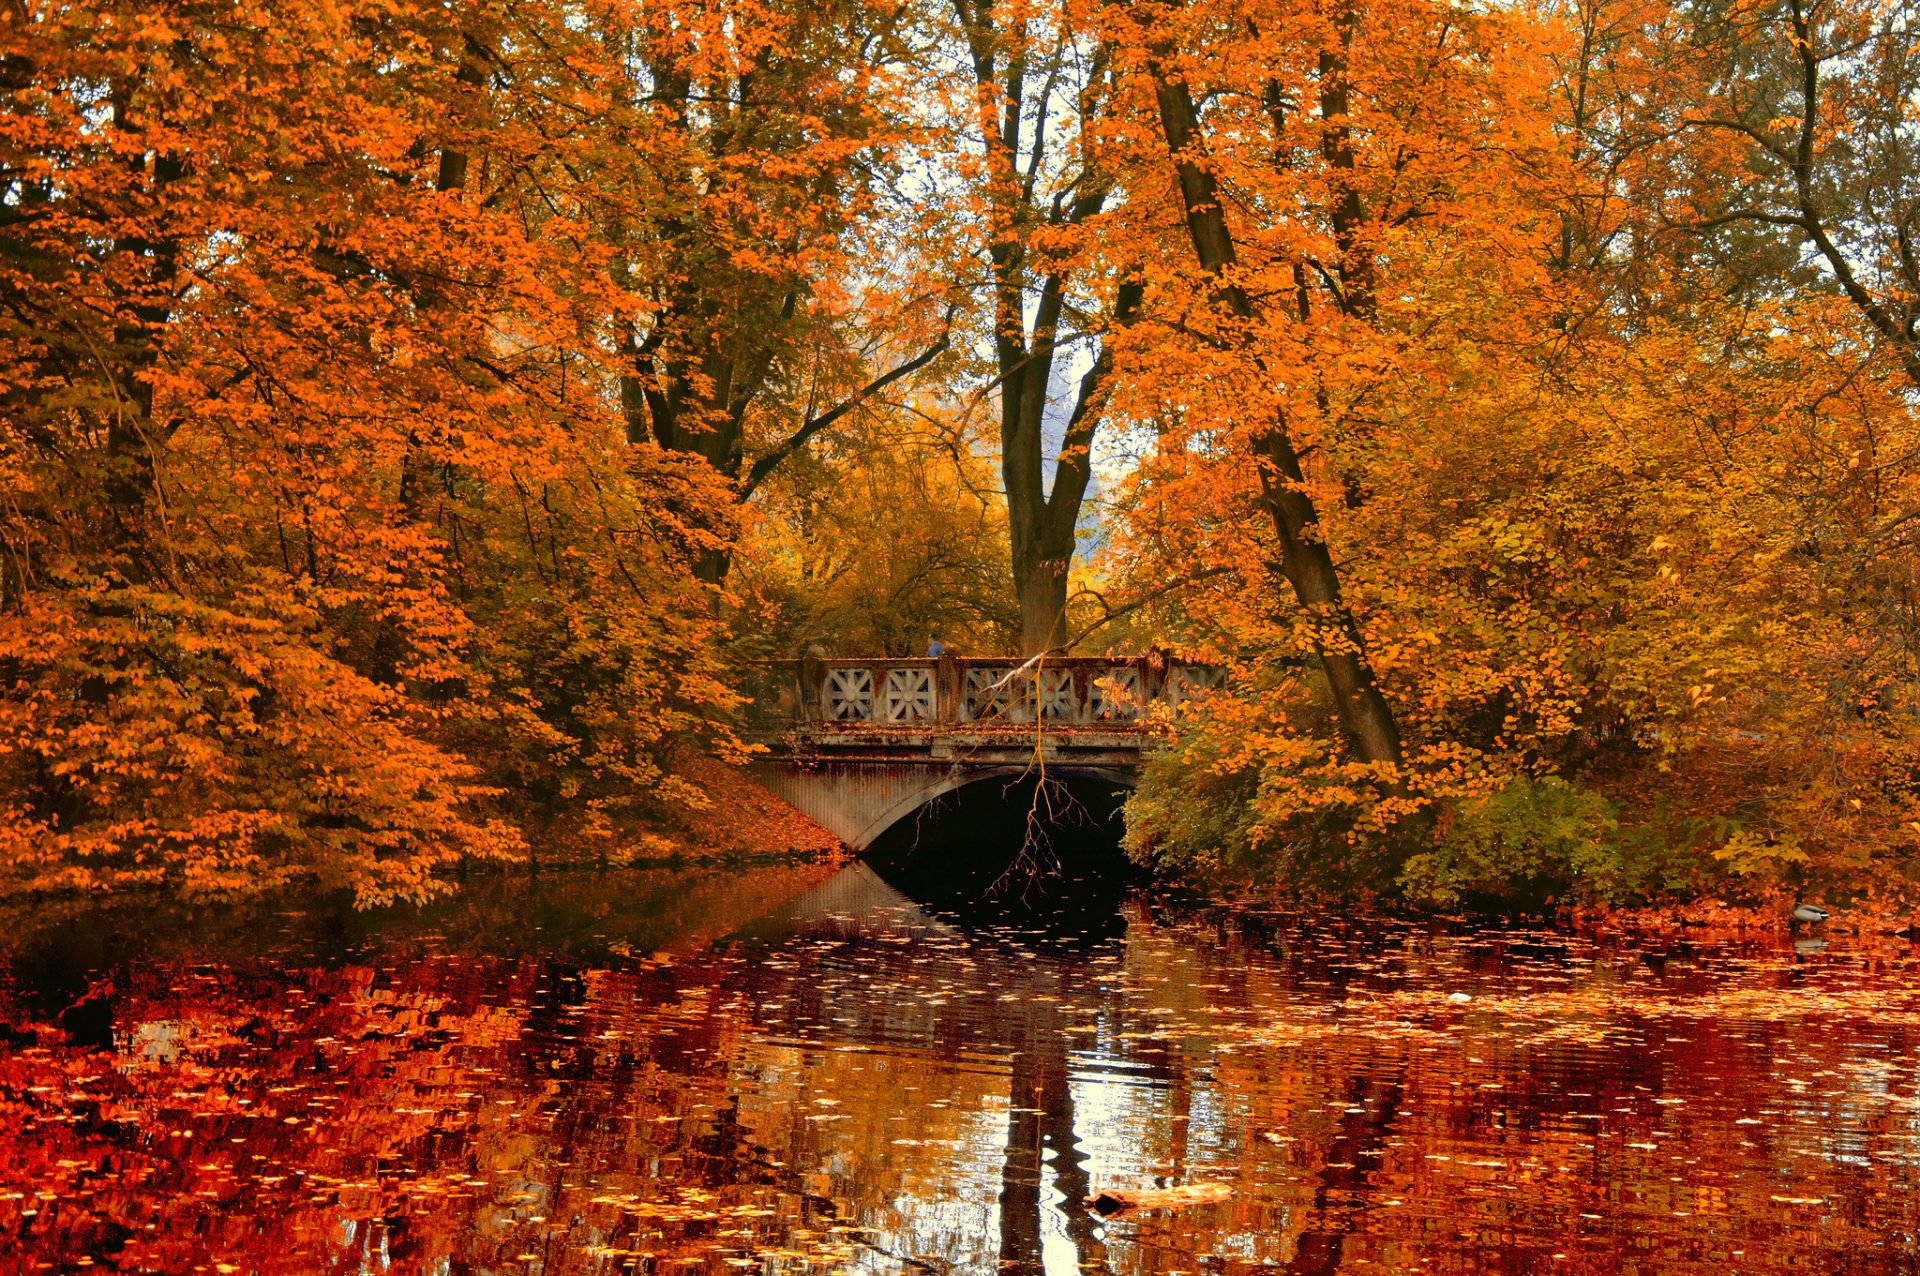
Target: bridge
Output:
[(859, 744)]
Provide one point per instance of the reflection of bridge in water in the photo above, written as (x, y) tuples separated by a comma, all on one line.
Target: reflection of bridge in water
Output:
[(859, 744), (983, 1085)]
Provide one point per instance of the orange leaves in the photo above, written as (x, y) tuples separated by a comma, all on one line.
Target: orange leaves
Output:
[(222, 753), (377, 388), (312, 452), (1589, 515)]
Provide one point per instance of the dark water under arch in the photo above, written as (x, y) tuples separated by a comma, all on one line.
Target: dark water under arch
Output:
[(1015, 847)]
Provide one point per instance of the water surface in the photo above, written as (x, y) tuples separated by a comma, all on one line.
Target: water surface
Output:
[(793, 1069)]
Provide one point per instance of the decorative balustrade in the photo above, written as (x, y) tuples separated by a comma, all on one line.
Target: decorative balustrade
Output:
[(980, 692)]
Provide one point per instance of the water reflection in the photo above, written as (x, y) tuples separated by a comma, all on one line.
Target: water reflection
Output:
[(782, 1071)]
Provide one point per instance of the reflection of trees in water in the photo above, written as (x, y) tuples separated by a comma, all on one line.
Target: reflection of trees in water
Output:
[(1350, 1160), (874, 970), (1040, 1118), (858, 966), (857, 1069)]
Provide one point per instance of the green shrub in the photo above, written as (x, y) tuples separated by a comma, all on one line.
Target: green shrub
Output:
[(1538, 841), (1204, 811), (1194, 816)]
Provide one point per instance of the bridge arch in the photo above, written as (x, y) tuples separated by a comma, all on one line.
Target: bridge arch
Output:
[(857, 802)]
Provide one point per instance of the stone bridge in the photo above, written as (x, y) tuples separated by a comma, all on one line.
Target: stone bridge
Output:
[(860, 744)]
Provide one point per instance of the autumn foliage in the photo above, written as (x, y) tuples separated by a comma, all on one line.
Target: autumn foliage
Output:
[(322, 538), (411, 415), (1616, 510)]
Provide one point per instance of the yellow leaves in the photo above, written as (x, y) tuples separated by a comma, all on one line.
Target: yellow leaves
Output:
[(1748, 852)]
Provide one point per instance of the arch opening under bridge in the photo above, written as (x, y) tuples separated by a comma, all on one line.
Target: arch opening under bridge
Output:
[(998, 845)]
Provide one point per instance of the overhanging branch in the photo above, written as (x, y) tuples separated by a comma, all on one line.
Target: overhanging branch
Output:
[(799, 438)]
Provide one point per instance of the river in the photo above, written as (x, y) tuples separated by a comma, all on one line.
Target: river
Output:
[(799, 1069)]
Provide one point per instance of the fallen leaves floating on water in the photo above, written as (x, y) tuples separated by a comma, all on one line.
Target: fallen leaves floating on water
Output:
[(857, 1091), (1114, 1201)]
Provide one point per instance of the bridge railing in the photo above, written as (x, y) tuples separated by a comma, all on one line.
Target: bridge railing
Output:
[(957, 691)]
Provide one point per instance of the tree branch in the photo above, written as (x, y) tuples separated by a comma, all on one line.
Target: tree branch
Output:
[(1875, 311), (1745, 130), (1115, 613), (799, 438)]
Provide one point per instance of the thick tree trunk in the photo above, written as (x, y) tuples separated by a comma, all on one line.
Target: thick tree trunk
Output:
[(1041, 587), (450, 175), (1366, 719), (1040, 530), (143, 315), (1022, 1198), (1044, 527), (1030, 303), (1364, 713), (1039, 559)]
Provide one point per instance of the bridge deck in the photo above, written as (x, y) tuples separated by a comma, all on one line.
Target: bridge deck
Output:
[(964, 744)]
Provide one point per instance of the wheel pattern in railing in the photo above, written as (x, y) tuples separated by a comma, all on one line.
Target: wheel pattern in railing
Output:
[(1116, 697), (849, 695), (1006, 691), (998, 695), (907, 696), (1190, 684), (1058, 701)]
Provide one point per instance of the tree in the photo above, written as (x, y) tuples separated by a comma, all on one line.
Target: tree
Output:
[(731, 161), (1761, 188), (1777, 144), (1365, 717), (1037, 82), (892, 532), (1613, 540), (1334, 172), (285, 375)]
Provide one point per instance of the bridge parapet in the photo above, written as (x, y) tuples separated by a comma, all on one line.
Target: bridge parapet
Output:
[(955, 693), (859, 743)]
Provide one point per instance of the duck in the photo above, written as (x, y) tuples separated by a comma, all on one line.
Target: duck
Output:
[(1810, 913)]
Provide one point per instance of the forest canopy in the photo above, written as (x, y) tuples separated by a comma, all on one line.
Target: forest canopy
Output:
[(416, 418)]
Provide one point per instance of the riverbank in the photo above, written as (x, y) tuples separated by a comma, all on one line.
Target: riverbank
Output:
[(741, 818)]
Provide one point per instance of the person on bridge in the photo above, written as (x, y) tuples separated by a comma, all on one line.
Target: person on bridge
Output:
[(935, 648)]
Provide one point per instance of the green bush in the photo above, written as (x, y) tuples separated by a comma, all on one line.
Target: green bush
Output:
[(1194, 816), (1202, 811), (1538, 841), (1205, 812)]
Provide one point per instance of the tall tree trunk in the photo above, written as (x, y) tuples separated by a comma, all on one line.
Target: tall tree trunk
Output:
[(1366, 719), (1027, 280), (1044, 529), (143, 314), (1040, 586), (450, 175), (1021, 1194)]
